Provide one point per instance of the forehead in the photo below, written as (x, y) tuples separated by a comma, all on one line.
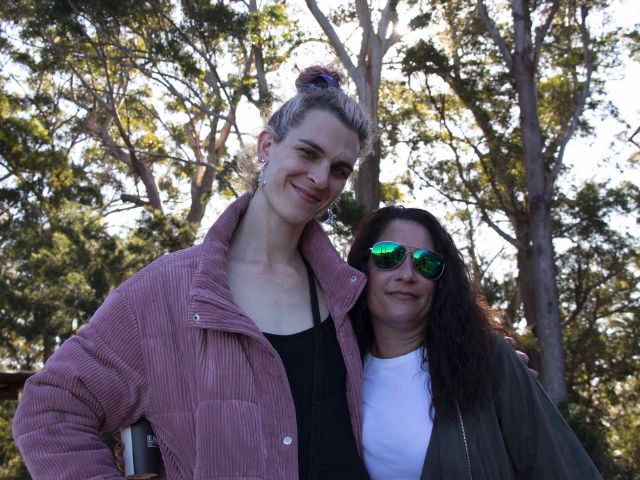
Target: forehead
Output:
[(408, 233), (329, 134)]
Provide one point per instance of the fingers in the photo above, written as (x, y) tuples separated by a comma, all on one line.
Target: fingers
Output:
[(523, 356), (118, 452)]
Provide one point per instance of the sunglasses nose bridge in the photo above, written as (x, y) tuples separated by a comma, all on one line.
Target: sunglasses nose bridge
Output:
[(411, 256), (407, 266)]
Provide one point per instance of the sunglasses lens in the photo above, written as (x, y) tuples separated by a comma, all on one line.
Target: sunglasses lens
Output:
[(387, 255), (429, 264)]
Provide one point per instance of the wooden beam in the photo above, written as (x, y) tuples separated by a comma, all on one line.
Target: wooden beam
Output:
[(11, 383)]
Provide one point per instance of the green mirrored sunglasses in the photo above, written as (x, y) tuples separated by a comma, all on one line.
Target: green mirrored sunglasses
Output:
[(389, 255)]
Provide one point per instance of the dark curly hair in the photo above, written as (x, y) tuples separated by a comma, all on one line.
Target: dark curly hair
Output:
[(457, 329)]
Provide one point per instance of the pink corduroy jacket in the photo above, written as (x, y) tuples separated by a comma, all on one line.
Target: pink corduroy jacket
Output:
[(170, 344)]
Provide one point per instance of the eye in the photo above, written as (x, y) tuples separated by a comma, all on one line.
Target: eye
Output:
[(308, 154), (340, 171)]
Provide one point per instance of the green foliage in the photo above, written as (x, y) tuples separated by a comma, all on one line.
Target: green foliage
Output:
[(390, 193), (345, 13), (154, 235), (633, 40), (598, 279), (421, 21), (58, 259), (348, 213), (593, 438), (55, 247), (11, 467)]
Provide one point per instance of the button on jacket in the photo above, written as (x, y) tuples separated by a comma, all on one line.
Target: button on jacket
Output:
[(170, 344)]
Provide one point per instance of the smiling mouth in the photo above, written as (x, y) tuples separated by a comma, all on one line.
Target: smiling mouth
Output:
[(306, 194)]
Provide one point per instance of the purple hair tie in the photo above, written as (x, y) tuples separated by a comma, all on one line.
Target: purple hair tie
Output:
[(329, 82)]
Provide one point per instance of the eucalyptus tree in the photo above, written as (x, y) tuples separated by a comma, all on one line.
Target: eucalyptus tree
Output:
[(152, 88), (508, 88), (378, 28)]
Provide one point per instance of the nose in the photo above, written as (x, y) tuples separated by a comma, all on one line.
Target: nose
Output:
[(319, 174), (406, 271)]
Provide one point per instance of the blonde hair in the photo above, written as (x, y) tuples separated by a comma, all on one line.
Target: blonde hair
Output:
[(319, 89)]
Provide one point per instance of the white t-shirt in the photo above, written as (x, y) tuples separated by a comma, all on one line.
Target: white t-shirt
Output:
[(397, 426)]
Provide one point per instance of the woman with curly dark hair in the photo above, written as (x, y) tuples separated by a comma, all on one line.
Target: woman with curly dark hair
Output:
[(444, 396)]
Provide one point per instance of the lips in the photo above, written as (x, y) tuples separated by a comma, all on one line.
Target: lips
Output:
[(305, 194), (403, 295)]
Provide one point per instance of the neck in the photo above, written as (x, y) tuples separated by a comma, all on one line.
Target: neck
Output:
[(262, 237), (392, 342)]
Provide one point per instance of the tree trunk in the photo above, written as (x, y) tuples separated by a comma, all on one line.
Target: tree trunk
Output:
[(201, 188), (367, 183), (204, 176), (366, 74), (48, 345), (545, 290), (526, 282)]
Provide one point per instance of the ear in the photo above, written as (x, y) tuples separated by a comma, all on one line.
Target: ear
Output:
[(265, 141)]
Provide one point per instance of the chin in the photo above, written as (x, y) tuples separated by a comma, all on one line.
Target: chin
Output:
[(302, 214), (297, 216), (291, 211)]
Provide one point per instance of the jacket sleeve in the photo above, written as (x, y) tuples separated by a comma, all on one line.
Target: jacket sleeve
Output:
[(539, 441), (94, 382)]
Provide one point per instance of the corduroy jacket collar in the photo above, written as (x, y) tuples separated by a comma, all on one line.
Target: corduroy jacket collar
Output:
[(341, 284)]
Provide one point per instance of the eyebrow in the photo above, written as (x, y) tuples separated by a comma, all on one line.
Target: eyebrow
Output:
[(321, 151), (313, 145)]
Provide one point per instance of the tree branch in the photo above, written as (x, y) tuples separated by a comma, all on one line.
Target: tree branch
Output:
[(579, 106), (633, 135), (389, 15), (139, 167), (335, 42), (127, 198), (483, 212), (451, 198), (542, 31), (469, 98), (106, 213), (364, 18), (263, 88), (495, 34)]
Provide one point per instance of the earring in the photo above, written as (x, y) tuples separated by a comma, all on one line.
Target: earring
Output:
[(331, 217), (261, 180)]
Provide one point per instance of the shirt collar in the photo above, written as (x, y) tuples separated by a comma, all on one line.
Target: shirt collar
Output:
[(340, 283)]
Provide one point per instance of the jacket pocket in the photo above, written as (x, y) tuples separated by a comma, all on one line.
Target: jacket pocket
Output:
[(229, 440)]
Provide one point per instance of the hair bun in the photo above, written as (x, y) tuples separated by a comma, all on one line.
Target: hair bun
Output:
[(319, 77)]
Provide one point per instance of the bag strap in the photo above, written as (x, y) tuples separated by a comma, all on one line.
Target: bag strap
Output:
[(316, 399), (464, 439)]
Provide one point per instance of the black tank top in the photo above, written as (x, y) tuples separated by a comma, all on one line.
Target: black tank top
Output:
[(338, 456)]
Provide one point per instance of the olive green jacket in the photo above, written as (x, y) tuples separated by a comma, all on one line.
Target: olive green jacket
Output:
[(518, 434)]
